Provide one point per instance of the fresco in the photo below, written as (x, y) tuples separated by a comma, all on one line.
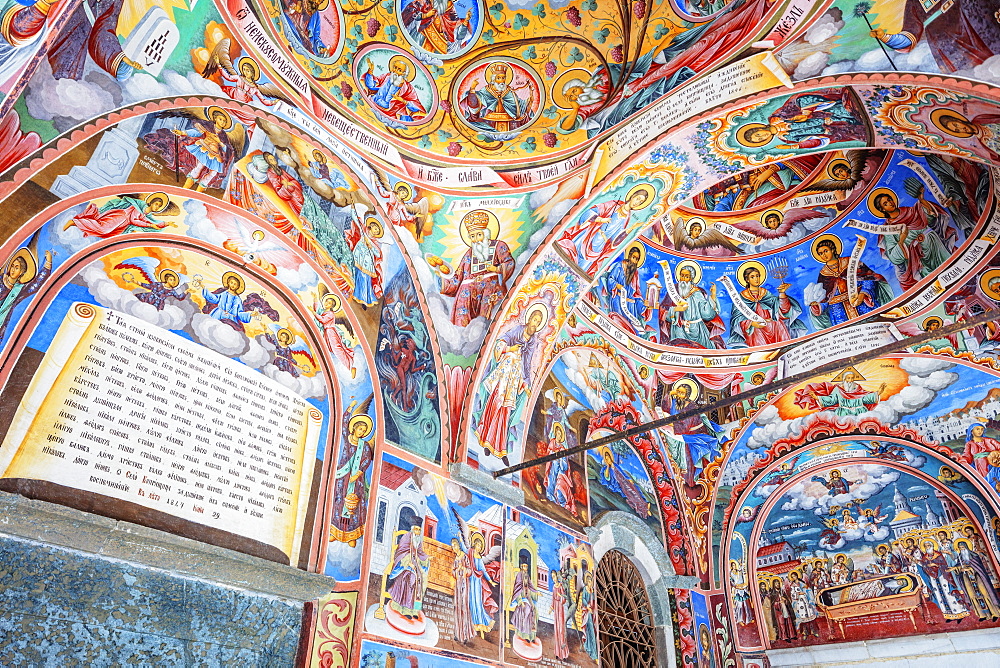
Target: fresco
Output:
[(712, 304), (159, 337), (276, 274), (436, 564), (381, 655), (550, 605), (514, 82), (405, 364), (843, 533), (906, 35)]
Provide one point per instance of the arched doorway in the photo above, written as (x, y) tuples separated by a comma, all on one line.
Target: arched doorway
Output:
[(625, 618)]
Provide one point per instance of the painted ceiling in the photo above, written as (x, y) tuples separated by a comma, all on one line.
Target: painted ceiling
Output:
[(463, 218)]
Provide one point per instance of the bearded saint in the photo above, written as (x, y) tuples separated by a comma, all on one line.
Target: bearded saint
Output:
[(694, 322), (408, 577), (480, 281), (393, 94)]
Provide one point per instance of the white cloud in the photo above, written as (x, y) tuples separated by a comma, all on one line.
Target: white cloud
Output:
[(200, 226)]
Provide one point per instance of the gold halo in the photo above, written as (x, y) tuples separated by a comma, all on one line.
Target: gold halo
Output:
[(650, 194), (556, 395), (160, 196), (537, 307), (336, 301), (477, 537), (411, 71), (253, 63), (838, 245), (643, 371), (779, 212), (741, 135), (746, 265), (378, 226), (291, 337), (642, 252), (406, 186), (162, 275), (692, 221), (558, 94), (319, 155), (838, 556), (936, 120), (968, 543), (840, 162), (364, 419), (322, 4), (693, 390), (984, 283), (257, 235), (31, 265), (932, 541), (695, 270), (605, 453), (493, 226), (931, 319), (225, 281), (212, 111), (875, 194), (757, 377), (561, 428)]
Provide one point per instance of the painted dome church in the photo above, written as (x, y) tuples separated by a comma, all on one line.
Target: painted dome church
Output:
[(465, 333)]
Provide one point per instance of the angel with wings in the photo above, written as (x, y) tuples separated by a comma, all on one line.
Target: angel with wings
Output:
[(124, 214), (846, 175), (475, 607), (831, 537), (695, 237), (337, 331), (242, 83), (870, 519), (204, 149), (157, 284), (286, 347), (351, 485), (413, 216)]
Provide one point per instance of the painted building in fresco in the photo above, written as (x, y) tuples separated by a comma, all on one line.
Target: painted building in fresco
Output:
[(287, 286)]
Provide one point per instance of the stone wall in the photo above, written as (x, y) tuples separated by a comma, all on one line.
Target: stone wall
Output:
[(75, 604)]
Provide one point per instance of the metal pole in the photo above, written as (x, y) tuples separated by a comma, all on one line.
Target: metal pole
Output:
[(794, 379)]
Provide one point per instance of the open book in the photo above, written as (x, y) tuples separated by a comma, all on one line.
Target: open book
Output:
[(131, 421)]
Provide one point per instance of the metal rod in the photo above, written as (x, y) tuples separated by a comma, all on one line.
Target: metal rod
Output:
[(781, 384)]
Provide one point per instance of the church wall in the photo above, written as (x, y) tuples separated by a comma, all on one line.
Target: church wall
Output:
[(285, 283)]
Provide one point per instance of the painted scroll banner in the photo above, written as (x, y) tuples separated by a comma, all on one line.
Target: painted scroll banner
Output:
[(837, 345), (122, 409)]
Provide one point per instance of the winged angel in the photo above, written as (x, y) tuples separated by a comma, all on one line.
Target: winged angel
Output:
[(696, 237), (414, 216), (475, 607), (241, 82)]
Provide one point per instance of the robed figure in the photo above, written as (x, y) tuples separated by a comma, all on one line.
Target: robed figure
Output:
[(983, 453), (836, 304), (777, 314), (844, 395), (21, 279), (407, 580), (508, 379), (479, 283), (475, 607), (523, 607), (392, 93)]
